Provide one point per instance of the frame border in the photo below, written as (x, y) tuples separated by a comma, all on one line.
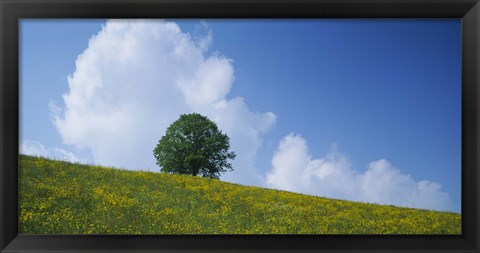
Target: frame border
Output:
[(13, 10)]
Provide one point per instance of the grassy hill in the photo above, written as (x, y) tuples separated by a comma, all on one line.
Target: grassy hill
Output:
[(65, 198)]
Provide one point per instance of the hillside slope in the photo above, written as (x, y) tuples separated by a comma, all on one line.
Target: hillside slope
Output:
[(63, 198)]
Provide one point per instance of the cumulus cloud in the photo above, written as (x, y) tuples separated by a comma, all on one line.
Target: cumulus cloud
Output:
[(294, 169), (33, 148), (36, 148), (135, 78)]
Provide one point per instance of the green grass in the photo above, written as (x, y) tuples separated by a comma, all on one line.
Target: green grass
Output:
[(64, 198)]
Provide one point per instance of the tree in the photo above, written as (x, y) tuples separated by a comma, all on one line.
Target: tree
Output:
[(194, 145)]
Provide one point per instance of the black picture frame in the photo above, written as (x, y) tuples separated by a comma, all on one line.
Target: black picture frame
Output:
[(13, 10)]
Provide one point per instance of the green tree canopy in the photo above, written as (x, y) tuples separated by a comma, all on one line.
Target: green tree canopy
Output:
[(194, 145)]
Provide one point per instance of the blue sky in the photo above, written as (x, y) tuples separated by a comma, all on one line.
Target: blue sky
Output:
[(366, 110)]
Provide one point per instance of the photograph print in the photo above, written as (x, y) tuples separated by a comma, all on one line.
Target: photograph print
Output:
[(240, 126)]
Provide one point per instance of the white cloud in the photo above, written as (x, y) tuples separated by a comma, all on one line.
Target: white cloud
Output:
[(65, 155), (36, 148), (33, 148), (208, 83), (135, 78), (203, 35), (294, 169)]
